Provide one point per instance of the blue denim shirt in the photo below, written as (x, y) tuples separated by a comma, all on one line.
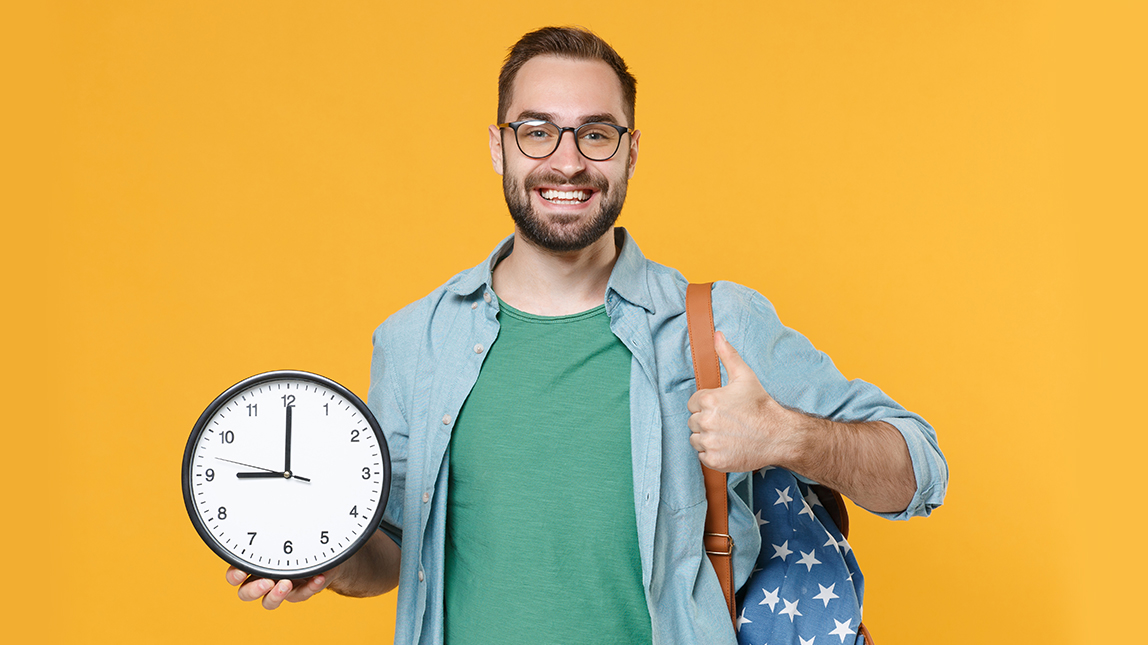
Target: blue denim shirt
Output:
[(427, 358)]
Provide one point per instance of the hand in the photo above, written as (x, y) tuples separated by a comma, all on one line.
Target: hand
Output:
[(274, 593), (739, 427)]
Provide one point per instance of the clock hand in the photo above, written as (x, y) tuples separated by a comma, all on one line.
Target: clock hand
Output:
[(267, 472), (287, 443), (250, 466), (270, 475)]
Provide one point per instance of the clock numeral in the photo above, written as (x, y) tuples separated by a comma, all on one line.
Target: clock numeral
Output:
[(288, 400), (227, 436), (366, 473), (221, 513), (354, 511), (252, 540), (326, 410), (323, 539), (209, 474), (354, 436), (252, 409), (287, 548)]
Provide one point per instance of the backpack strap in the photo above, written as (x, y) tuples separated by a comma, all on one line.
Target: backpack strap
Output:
[(707, 373)]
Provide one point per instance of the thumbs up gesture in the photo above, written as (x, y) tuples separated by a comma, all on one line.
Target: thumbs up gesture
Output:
[(739, 427)]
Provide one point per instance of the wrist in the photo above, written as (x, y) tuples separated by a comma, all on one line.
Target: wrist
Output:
[(798, 435)]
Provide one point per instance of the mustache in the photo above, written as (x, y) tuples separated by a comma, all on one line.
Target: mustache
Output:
[(554, 179)]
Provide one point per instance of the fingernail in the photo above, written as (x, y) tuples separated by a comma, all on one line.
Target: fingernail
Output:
[(265, 585), (319, 580), (284, 586)]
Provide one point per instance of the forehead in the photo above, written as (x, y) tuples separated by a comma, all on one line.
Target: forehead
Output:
[(566, 88)]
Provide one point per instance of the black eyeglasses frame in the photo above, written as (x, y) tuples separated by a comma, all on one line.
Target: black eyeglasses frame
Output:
[(514, 125)]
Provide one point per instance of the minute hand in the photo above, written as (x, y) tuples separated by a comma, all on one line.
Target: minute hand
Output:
[(287, 443)]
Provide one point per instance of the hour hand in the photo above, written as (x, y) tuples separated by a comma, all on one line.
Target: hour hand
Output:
[(259, 475)]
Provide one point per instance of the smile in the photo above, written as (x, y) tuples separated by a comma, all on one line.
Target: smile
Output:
[(565, 196)]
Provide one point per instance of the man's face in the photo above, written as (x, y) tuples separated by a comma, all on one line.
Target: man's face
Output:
[(564, 202)]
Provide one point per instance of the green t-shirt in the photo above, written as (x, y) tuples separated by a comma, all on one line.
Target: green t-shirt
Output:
[(541, 536)]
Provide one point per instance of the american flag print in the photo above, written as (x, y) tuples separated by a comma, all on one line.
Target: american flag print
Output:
[(806, 588)]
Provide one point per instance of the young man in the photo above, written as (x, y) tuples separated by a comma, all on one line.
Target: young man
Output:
[(541, 415)]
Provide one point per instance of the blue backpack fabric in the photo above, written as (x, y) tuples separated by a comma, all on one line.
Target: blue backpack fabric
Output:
[(806, 588)]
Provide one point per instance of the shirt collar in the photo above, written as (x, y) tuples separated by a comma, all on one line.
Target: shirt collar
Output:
[(628, 278)]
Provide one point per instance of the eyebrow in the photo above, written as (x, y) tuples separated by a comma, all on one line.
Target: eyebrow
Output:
[(602, 117)]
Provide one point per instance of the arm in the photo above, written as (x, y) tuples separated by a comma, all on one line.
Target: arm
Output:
[(372, 571), (740, 427)]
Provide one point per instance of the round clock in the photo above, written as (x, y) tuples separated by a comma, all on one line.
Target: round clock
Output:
[(286, 474)]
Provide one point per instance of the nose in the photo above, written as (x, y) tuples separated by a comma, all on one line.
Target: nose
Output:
[(566, 159)]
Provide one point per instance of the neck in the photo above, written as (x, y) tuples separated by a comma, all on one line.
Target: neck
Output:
[(545, 283)]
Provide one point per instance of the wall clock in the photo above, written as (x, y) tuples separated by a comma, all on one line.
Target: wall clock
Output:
[(286, 474)]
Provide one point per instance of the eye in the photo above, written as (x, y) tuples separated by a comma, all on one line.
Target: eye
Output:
[(536, 130), (597, 133)]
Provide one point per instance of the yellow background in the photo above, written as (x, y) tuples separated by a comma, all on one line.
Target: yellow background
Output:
[(946, 197)]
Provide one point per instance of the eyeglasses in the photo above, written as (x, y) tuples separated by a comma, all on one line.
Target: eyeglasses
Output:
[(596, 141)]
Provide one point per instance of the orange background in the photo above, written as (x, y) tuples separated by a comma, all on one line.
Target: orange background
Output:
[(945, 197)]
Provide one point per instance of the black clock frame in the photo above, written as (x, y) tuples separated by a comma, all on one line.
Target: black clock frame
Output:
[(201, 424)]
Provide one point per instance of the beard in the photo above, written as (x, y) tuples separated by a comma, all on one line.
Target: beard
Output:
[(562, 233)]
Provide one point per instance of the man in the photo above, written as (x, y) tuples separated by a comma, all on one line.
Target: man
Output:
[(540, 413)]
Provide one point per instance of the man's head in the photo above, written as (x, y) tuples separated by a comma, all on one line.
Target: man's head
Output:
[(564, 201)]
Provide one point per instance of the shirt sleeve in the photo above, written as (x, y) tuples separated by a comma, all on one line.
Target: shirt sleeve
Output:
[(383, 400), (799, 376)]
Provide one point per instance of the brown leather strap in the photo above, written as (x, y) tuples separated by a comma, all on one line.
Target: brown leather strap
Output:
[(707, 373)]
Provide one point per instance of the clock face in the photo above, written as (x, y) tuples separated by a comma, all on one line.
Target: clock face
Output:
[(286, 474)]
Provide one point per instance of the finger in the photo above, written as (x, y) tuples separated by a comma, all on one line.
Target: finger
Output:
[(305, 589), (696, 442), (275, 597), (735, 367), (255, 588), (235, 577), (694, 405)]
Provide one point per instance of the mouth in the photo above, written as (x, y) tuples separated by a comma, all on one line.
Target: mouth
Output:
[(566, 197)]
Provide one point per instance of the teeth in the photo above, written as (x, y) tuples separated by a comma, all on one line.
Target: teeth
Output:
[(565, 195)]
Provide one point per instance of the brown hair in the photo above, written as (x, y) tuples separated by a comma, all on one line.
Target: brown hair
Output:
[(567, 42)]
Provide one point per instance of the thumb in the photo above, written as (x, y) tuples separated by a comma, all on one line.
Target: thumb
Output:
[(735, 367)]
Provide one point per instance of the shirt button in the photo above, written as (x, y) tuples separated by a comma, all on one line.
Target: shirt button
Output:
[(478, 349), (446, 419), (420, 575), (486, 296), (426, 497), (474, 305)]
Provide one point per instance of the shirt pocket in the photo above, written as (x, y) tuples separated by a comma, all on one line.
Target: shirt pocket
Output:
[(682, 483)]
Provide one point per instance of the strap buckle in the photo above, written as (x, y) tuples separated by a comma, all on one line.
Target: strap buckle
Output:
[(729, 544)]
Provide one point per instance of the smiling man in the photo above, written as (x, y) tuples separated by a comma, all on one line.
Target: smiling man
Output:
[(541, 414)]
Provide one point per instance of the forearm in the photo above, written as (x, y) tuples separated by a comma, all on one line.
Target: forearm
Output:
[(372, 571), (867, 462)]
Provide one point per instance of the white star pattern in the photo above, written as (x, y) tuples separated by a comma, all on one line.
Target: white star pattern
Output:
[(812, 499), (783, 497), (742, 619), (832, 542), (808, 559), (770, 598), (842, 629), (764, 470), (806, 642), (791, 609), (806, 509), (826, 593), (781, 551), (761, 521), (845, 545)]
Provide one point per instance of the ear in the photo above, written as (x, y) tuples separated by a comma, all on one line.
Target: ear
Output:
[(633, 153), (496, 148)]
